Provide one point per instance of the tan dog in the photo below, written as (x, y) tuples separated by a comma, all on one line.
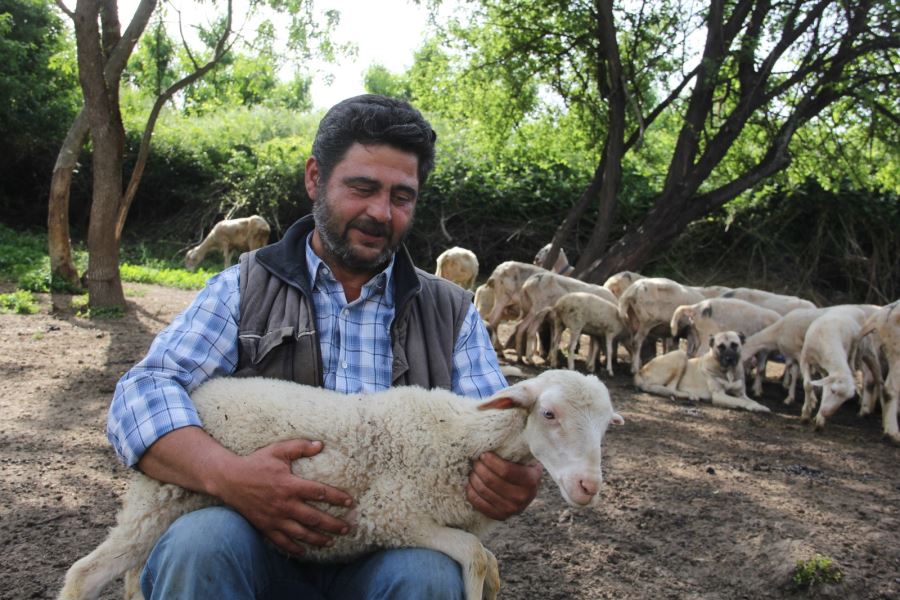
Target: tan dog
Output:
[(717, 376)]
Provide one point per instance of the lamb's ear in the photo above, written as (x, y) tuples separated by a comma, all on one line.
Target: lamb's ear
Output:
[(819, 382), (617, 419), (520, 395), (742, 337), (707, 311)]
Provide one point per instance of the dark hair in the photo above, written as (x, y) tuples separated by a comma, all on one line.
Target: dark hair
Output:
[(373, 119)]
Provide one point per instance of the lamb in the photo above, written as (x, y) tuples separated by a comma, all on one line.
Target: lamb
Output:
[(885, 323), (374, 446), (541, 291), (826, 347), (458, 265), (780, 303), (248, 233), (506, 284), (722, 314), (561, 265), (583, 312), (650, 303), (619, 282)]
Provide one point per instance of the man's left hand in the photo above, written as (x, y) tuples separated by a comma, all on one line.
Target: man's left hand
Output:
[(500, 488)]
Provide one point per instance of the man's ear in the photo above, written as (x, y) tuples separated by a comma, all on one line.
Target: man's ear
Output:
[(311, 177)]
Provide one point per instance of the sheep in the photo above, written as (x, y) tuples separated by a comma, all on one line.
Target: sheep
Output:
[(619, 282), (650, 303), (780, 303), (722, 314), (786, 336), (458, 265), (248, 233), (584, 312), (505, 283), (885, 323), (826, 347), (709, 291), (561, 265), (375, 446), (541, 291)]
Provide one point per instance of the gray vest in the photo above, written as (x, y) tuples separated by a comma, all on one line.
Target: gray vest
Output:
[(277, 330)]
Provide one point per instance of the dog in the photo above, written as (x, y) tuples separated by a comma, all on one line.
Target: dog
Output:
[(717, 376)]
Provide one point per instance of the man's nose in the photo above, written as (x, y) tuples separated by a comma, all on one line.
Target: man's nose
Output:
[(379, 207)]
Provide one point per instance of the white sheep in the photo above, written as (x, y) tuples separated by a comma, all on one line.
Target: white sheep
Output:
[(713, 315), (650, 303), (584, 312), (505, 283), (247, 233), (375, 447), (561, 265), (541, 291), (458, 265), (885, 323), (780, 303), (619, 282)]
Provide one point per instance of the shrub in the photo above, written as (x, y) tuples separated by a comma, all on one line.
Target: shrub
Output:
[(816, 571), (20, 302)]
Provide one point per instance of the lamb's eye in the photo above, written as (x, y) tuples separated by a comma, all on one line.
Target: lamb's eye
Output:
[(547, 414)]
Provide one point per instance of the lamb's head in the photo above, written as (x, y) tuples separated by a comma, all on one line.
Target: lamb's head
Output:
[(568, 414), (191, 259), (836, 389), (682, 319)]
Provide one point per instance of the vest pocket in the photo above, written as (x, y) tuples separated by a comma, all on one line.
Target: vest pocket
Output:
[(259, 347)]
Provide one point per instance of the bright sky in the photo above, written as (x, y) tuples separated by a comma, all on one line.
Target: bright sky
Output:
[(385, 32)]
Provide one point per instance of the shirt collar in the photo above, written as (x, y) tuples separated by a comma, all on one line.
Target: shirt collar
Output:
[(378, 285)]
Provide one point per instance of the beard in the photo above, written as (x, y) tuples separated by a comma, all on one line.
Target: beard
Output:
[(336, 241)]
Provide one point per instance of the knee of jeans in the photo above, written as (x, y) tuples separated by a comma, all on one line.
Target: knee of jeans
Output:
[(436, 576), (210, 535)]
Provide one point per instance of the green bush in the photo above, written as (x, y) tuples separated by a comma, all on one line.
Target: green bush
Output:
[(816, 571), (20, 302)]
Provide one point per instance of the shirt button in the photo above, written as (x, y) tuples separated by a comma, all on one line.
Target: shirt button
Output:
[(344, 365)]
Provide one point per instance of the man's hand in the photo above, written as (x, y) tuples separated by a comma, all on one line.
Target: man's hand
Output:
[(499, 488), (262, 488)]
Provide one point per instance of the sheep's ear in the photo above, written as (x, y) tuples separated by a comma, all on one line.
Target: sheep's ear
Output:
[(819, 382), (519, 395), (707, 311), (742, 337), (617, 419)]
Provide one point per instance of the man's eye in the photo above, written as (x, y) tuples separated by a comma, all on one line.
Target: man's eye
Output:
[(403, 199)]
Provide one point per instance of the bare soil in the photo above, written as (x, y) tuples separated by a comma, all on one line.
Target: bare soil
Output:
[(698, 502)]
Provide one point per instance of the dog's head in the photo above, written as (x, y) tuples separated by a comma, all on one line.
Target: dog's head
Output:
[(726, 347)]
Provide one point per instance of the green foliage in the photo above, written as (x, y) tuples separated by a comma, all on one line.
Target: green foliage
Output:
[(816, 571), (379, 80), (20, 302), (24, 261), (169, 277)]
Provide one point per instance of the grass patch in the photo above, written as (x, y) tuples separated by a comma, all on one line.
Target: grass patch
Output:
[(177, 278), (816, 571), (20, 302)]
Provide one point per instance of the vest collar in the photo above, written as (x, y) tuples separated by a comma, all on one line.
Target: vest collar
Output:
[(286, 259)]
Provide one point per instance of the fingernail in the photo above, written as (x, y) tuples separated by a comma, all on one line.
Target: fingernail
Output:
[(348, 502), (329, 543), (345, 530)]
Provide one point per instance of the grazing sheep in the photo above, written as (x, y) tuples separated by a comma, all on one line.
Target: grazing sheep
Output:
[(404, 454), (541, 291), (723, 314), (506, 284), (780, 303), (248, 233), (885, 323), (619, 282), (458, 265), (561, 265), (650, 303), (583, 312)]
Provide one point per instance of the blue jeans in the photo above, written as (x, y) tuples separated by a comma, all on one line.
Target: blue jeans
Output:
[(214, 553)]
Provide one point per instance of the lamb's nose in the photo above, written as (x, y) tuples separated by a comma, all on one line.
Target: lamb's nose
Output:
[(589, 486)]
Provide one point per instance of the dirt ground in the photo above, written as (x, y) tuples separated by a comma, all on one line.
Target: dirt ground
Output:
[(698, 502)]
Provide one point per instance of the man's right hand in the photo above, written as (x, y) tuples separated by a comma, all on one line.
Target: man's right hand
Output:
[(260, 485)]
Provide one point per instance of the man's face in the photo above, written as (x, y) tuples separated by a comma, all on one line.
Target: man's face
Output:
[(366, 208)]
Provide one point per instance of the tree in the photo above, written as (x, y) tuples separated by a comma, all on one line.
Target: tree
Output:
[(764, 71), (103, 53)]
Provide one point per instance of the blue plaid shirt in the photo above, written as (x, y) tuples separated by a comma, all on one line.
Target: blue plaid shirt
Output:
[(152, 398)]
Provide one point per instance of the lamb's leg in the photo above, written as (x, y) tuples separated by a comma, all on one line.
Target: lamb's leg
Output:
[(809, 393), (636, 343), (574, 334), (610, 352), (890, 398), (593, 351), (481, 576), (762, 359)]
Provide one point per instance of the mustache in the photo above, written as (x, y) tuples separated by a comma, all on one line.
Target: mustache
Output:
[(370, 227)]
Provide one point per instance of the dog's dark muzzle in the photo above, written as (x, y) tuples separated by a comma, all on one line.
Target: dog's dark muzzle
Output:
[(729, 358)]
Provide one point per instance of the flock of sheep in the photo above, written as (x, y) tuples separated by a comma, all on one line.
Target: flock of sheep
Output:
[(843, 351)]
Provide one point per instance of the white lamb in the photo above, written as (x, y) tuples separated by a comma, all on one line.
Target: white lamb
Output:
[(458, 265), (582, 312), (885, 323), (780, 303), (505, 283), (374, 447), (713, 315), (561, 265), (541, 291), (650, 303), (247, 233), (619, 282)]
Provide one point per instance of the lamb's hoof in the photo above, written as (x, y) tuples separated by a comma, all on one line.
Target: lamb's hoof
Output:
[(788, 401), (820, 424), (892, 438)]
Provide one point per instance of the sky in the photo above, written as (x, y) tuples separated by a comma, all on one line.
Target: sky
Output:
[(385, 31)]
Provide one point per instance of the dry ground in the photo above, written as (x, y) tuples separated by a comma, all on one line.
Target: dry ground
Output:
[(698, 502)]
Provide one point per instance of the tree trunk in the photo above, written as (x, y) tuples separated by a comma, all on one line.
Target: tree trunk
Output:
[(62, 267)]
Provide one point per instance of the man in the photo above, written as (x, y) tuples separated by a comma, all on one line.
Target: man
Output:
[(338, 303)]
